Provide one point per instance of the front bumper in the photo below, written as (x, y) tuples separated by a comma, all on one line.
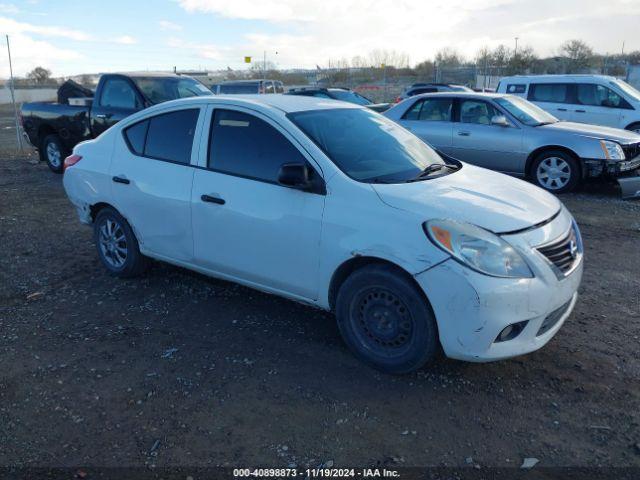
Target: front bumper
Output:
[(472, 309)]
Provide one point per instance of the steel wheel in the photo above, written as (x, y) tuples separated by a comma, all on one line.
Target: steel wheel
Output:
[(113, 243), (54, 155), (553, 173), (382, 322)]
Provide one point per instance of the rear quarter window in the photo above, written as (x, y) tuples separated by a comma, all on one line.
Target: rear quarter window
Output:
[(549, 92)]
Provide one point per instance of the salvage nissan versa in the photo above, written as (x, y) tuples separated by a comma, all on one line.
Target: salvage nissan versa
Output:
[(334, 205)]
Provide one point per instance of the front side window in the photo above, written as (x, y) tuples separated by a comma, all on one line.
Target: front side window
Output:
[(118, 93), (244, 145), (163, 89), (365, 145), (478, 112), (597, 95), (168, 136), (279, 87), (549, 92), (525, 111)]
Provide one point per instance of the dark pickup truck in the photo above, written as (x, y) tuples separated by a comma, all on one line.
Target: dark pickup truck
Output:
[(55, 128)]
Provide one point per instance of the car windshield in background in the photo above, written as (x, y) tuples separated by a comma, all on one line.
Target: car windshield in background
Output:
[(525, 111), (239, 88), (159, 89), (365, 145), (628, 89), (351, 97)]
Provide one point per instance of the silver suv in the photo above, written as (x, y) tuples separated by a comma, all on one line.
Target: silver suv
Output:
[(509, 134)]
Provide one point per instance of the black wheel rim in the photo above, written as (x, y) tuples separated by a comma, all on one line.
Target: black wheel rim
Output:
[(382, 322)]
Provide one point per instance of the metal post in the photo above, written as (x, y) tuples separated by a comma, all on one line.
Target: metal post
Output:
[(264, 64), (13, 98)]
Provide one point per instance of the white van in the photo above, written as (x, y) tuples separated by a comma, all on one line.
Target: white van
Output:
[(595, 99)]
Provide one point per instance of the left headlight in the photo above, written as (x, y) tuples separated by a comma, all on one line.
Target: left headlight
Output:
[(612, 150), (478, 249)]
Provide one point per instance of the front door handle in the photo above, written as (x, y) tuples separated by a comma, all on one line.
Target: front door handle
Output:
[(104, 115), (212, 199), (581, 111), (464, 133), (121, 180), (562, 109)]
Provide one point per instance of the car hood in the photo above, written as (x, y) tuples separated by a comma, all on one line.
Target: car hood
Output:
[(490, 200), (595, 131)]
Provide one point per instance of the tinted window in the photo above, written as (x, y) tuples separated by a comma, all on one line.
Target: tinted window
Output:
[(136, 135), (597, 95), (279, 87), (436, 110), (365, 145), (269, 88), (516, 88), (170, 135), (474, 111), (162, 89), (118, 93), (350, 96), (549, 92), (239, 88), (244, 145), (414, 112)]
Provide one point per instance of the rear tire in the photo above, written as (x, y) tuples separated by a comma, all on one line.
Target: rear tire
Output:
[(385, 319), (117, 245), (556, 171), (53, 152)]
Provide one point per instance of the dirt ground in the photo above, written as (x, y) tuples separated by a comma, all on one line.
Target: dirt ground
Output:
[(178, 369)]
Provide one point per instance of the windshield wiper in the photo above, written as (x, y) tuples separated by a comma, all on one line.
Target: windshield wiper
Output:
[(434, 167)]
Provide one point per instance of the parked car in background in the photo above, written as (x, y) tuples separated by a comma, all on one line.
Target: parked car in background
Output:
[(413, 252), (55, 128), (594, 99), (235, 87), (509, 134), (336, 93), (420, 88)]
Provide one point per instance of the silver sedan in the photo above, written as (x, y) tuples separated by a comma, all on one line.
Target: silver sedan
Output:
[(509, 134)]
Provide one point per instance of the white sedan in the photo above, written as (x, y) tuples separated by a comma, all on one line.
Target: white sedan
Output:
[(333, 205)]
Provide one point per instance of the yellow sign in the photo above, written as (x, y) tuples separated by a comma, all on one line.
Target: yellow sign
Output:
[(247, 59)]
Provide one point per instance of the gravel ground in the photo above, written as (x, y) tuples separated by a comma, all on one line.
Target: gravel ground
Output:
[(176, 369)]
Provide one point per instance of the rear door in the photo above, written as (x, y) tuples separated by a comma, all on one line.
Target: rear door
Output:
[(555, 98), (476, 140), (245, 224), (430, 119), (118, 98), (597, 104), (152, 179)]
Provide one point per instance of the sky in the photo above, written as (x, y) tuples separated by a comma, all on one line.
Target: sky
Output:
[(92, 36)]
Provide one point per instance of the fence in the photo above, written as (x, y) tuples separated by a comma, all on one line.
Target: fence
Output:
[(27, 95)]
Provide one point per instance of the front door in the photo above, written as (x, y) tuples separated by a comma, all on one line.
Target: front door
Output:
[(476, 140), (118, 99), (597, 104), (245, 224), (152, 177)]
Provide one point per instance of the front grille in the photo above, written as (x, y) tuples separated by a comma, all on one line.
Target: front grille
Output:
[(631, 151), (563, 253), (553, 318)]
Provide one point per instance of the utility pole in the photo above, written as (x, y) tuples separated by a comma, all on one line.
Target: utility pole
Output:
[(515, 51), (264, 64), (622, 52), (13, 98)]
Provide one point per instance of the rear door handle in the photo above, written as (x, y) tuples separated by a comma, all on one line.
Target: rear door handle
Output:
[(212, 199), (464, 133), (581, 111), (121, 180)]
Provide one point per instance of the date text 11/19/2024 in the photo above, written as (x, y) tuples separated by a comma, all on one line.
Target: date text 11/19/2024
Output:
[(315, 473)]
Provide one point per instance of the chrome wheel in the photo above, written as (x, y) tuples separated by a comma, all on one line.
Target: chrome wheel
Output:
[(113, 243), (553, 173), (54, 155)]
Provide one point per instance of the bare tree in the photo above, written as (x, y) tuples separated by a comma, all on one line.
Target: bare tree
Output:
[(579, 55), (448, 57), (39, 75), (389, 58)]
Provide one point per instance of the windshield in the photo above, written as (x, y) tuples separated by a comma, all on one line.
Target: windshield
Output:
[(525, 111), (628, 89), (240, 88), (351, 97), (163, 89), (365, 145)]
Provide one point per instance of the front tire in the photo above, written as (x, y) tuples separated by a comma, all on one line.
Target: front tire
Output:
[(385, 319), (556, 171), (52, 152), (117, 245)]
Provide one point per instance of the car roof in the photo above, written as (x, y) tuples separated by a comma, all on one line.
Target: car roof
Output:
[(241, 82), (142, 74), (570, 76), (485, 95), (282, 102)]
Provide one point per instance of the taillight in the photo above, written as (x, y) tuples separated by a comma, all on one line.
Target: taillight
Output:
[(70, 161), (21, 119)]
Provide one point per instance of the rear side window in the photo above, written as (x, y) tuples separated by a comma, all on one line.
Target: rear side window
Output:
[(431, 110), (549, 92), (516, 88), (168, 136), (243, 145)]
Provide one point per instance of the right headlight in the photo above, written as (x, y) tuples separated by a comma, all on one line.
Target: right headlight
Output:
[(478, 249)]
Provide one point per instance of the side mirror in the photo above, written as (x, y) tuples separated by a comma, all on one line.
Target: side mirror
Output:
[(295, 175), (500, 121)]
